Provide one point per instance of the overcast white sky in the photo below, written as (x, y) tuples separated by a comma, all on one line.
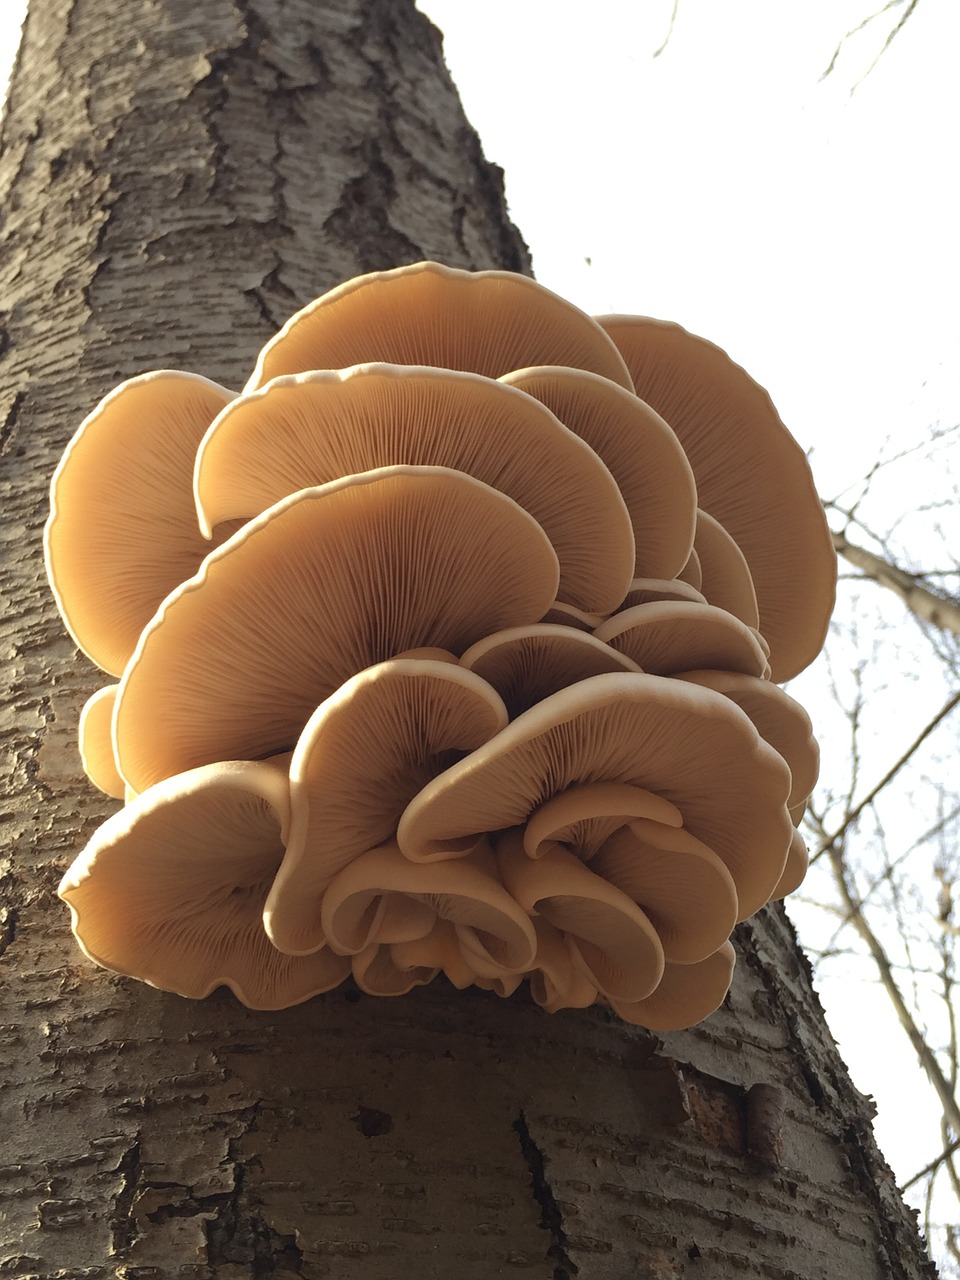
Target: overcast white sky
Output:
[(808, 226)]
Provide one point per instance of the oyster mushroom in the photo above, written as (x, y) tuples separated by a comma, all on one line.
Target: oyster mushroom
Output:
[(688, 745), (312, 428), (485, 322), (122, 530), (364, 753), (751, 475), (322, 585), (171, 889)]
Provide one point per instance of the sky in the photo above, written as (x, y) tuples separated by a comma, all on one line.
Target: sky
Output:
[(807, 224)]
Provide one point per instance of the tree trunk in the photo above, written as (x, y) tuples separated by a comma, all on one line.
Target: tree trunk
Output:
[(178, 176)]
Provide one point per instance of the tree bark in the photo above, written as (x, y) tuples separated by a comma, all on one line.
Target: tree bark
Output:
[(177, 177)]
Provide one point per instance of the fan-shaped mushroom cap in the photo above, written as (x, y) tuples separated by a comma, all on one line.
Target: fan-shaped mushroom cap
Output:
[(485, 322), (682, 886), (96, 742), (687, 994), (793, 873), (376, 972), (779, 719), (724, 573), (674, 635), (439, 949), (691, 746), (644, 456), (650, 590), (565, 615), (382, 894), (324, 584), (691, 571), (171, 889), (611, 941), (122, 531), (316, 427), (527, 664), (363, 755), (751, 475), (555, 982), (583, 818)]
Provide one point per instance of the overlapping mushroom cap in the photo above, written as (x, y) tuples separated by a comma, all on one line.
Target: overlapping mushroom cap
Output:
[(441, 651)]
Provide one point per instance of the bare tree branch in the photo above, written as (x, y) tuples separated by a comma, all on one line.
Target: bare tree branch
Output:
[(666, 38), (937, 610), (891, 35)]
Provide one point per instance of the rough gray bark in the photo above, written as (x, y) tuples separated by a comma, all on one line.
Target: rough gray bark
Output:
[(178, 176)]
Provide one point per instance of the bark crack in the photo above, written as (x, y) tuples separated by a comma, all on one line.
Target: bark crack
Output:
[(551, 1219), (123, 1225)]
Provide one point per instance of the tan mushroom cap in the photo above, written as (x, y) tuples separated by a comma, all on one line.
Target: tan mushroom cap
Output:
[(691, 571), (583, 818), (644, 456), (376, 972), (724, 573), (485, 322), (798, 861), (363, 755), (687, 994), (685, 890), (689, 745), (555, 981), (312, 428), (171, 889), (611, 941), (96, 742), (779, 719), (326, 583), (565, 615), (751, 475), (382, 897), (122, 530), (669, 636), (650, 590), (437, 950), (527, 664)]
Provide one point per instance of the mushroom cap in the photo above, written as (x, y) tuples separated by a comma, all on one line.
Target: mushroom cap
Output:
[(96, 742), (322, 585), (312, 428), (724, 573), (439, 949), (611, 941), (555, 982), (687, 994), (363, 755), (669, 636), (527, 664), (751, 475), (685, 890), (779, 719), (688, 745), (376, 972), (381, 894), (650, 590), (485, 322), (171, 889), (122, 530), (643, 454), (566, 615), (583, 818), (691, 571), (798, 861)]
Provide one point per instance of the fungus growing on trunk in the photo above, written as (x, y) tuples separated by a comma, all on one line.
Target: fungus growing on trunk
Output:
[(476, 682)]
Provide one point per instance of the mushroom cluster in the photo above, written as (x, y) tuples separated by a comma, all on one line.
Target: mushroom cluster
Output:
[(450, 645)]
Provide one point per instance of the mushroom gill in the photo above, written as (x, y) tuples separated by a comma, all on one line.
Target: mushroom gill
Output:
[(324, 584)]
